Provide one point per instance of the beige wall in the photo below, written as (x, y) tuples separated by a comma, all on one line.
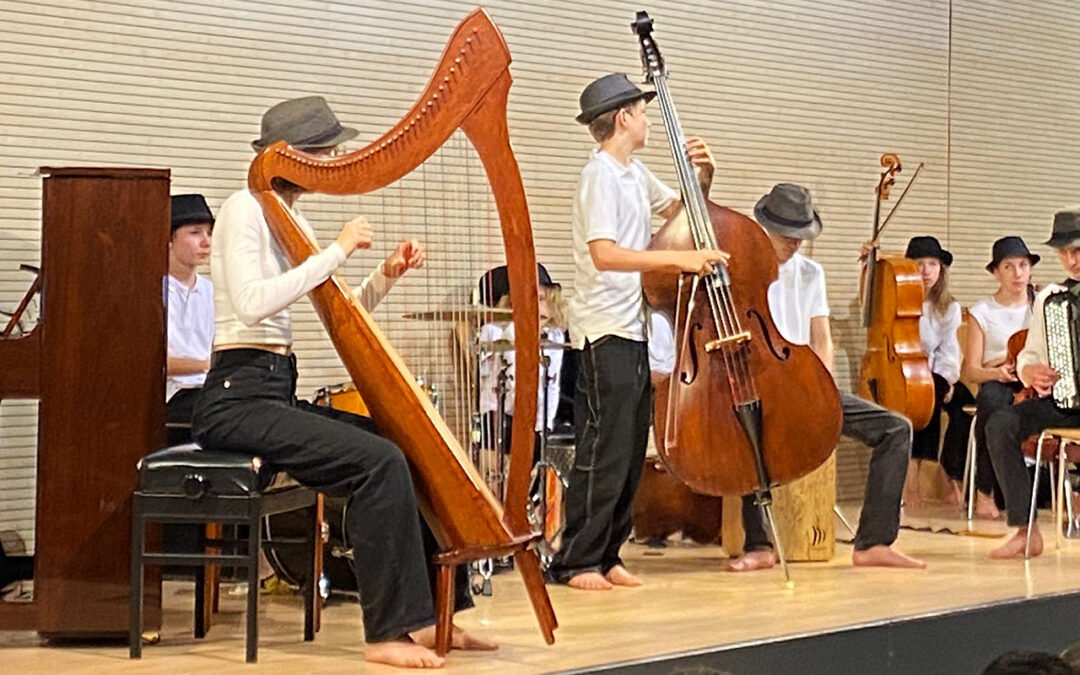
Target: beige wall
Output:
[(793, 90)]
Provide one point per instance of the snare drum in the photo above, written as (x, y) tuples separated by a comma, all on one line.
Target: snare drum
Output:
[(341, 397)]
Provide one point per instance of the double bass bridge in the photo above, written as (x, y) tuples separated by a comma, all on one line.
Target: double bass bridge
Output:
[(719, 343)]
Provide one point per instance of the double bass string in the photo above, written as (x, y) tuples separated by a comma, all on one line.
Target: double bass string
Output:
[(722, 308)]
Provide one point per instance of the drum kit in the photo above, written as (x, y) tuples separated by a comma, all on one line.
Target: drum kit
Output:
[(488, 445)]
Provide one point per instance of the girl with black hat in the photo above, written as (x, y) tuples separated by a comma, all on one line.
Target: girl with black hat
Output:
[(941, 318), (995, 319)]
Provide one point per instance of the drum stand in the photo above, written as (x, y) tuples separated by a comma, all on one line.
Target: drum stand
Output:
[(494, 476)]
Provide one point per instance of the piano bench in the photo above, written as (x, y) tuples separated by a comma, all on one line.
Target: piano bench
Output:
[(187, 484)]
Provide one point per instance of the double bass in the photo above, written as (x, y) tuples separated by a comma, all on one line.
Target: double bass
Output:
[(895, 372), (746, 410)]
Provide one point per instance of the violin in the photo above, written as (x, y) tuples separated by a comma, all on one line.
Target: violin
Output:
[(895, 372), (746, 409)]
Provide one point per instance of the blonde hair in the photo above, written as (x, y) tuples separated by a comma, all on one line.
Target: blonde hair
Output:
[(939, 296), (556, 306)]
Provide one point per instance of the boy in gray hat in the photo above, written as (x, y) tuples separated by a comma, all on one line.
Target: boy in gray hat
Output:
[(616, 197), (800, 309), (1009, 426), (248, 403)]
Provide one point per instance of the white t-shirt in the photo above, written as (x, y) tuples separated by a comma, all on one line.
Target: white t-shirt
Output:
[(798, 295), (254, 284), (937, 335), (613, 202), (492, 362), (661, 344), (190, 327), (998, 323)]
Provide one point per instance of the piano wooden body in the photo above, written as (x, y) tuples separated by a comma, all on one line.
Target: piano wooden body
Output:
[(96, 363)]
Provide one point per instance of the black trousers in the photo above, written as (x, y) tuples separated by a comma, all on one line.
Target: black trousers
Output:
[(248, 406), (889, 436), (953, 450), (1005, 431), (612, 413), (992, 397)]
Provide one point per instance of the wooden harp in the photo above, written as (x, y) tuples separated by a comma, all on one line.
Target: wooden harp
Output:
[(468, 91)]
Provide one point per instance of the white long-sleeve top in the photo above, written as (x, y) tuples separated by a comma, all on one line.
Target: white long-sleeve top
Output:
[(254, 284), (937, 335)]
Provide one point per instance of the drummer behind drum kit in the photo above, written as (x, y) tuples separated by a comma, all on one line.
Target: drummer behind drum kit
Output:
[(488, 446)]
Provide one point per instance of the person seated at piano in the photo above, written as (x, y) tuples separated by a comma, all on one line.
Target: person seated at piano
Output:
[(800, 310), (938, 325), (993, 320), (248, 403), (495, 290), (189, 298), (1009, 426)]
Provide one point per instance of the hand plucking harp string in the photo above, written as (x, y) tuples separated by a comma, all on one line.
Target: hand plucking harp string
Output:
[(409, 255), (355, 234)]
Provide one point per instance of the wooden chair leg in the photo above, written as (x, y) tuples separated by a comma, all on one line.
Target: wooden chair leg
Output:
[(211, 578), (444, 609), (528, 565), (135, 608)]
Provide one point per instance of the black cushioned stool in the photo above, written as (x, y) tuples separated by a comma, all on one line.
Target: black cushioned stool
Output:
[(186, 484)]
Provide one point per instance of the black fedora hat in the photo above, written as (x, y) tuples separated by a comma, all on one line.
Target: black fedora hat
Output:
[(495, 283), (305, 123), (1066, 230), (608, 93), (927, 247), (788, 211), (1010, 247), (188, 210)]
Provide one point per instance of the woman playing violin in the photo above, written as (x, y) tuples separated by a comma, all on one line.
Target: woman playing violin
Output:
[(994, 320)]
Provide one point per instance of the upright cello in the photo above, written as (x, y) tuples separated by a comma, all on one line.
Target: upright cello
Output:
[(746, 410), (895, 372)]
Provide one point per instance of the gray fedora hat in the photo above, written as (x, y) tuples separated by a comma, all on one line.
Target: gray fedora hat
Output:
[(789, 212), (608, 93), (1066, 230), (305, 123)]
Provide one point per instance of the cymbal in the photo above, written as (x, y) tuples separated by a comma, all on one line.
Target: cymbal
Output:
[(463, 313)]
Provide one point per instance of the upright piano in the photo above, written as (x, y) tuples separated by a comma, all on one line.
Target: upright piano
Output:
[(96, 363)]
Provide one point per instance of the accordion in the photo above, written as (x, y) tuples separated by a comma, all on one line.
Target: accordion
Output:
[(1062, 314)]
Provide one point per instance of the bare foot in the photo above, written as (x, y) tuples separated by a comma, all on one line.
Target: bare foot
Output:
[(620, 576), (590, 581), (955, 496), (1014, 548), (884, 556), (753, 560), (459, 639), (912, 498), (403, 653), (985, 507)]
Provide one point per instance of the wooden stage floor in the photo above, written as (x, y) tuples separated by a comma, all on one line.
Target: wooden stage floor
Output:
[(689, 603)]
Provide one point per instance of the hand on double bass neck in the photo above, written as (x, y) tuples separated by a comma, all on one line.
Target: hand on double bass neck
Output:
[(702, 159)]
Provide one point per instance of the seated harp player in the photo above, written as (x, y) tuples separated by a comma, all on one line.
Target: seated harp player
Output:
[(342, 455), (1046, 365), (189, 297)]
